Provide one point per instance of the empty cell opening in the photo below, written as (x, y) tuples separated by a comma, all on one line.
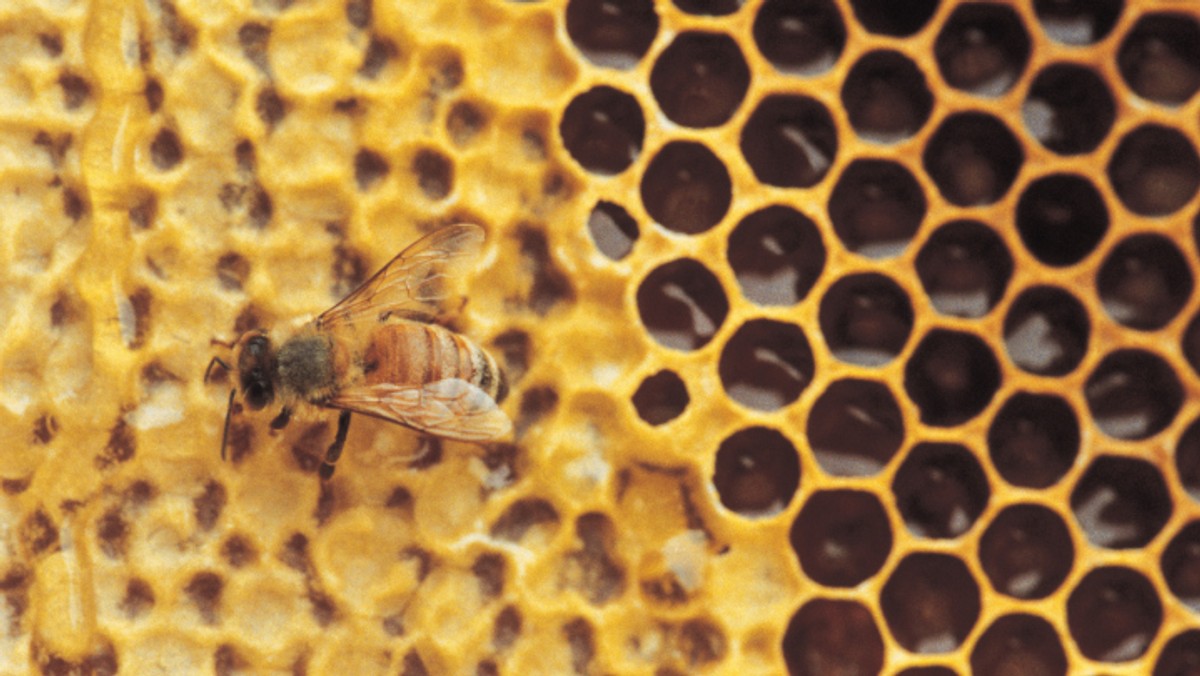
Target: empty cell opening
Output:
[(603, 129), (1121, 503), (686, 188), (841, 537), (964, 268), (1078, 22), (612, 229), (884, 17), (803, 37), (951, 377), (886, 97), (766, 364), (1026, 551), (1061, 218), (661, 398), (982, 49), (1068, 109), (682, 304), (1144, 282), (1033, 440), (1133, 394), (1154, 170), (828, 636), (1018, 644), (855, 428), (876, 207), (1187, 459), (790, 141), (757, 472), (1160, 58), (777, 255), (612, 33), (700, 79), (973, 158), (930, 602), (866, 319), (940, 490), (1181, 566), (1113, 614), (1046, 331)]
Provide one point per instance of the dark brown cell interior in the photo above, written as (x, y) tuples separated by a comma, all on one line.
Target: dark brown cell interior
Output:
[(1191, 343), (886, 97), (682, 304), (766, 364), (1077, 22), (434, 172), (828, 636), (930, 603), (1133, 394), (612, 229), (790, 141), (1181, 565), (886, 17), (686, 188), (982, 49), (1121, 503), (1160, 58), (1061, 218), (1154, 170), (1033, 440), (1187, 459), (603, 129), (1144, 282), (800, 37), (927, 671), (700, 79), (866, 319), (777, 255), (855, 428), (709, 7), (940, 490), (1026, 551), (876, 207), (1180, 655), (951, 377), (756, 472), (1046, 331), (660, 398), (964, 268), (166, 150), (1068, 109), (369, 168), (972, 158), (841, 537), (612, 33), (1113, 614), (1019, 644)]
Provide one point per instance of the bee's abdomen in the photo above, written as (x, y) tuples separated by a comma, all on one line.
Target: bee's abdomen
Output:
[(415, 354)]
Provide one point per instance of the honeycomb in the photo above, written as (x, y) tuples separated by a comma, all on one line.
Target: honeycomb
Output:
[(845, 336)]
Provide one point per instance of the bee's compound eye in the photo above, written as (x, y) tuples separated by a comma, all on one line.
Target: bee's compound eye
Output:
[(258, 395)]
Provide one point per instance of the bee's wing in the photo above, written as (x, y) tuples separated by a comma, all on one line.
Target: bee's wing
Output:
[(451, 408), (417, 284)]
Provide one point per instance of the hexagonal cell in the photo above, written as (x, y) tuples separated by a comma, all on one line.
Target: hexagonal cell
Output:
[(757, 472), (930, 603), (1061, 218), (686, 188), (1068, 109), (1113, 614), (603, 129), (1154, 170), (766, 364), (940, 490), (1026, 551), (1144, 282), (661, 398), (951, 377), (964, 268), (876, 207), (1133, 394), (1187, 459), (777, 255), (866, 319), (841, 537), (612, 229), (800, 37), (1046, 331), (1160, 58), (1191, 343), (789, 141), (1181, 565), (1033, 440), (832, 637), (1180, 655), (855, 427), (682, 304), (1121, 503), (1078, 22), (973, 158), (885, 17), (709, 7), (700, 79), (1018, 644), (612, 33), (886, 97), (982, 49)]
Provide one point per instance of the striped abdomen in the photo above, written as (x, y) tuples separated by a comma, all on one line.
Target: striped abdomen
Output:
[(410, 353)]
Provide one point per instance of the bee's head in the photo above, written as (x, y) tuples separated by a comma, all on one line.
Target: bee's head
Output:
[(256, 369)]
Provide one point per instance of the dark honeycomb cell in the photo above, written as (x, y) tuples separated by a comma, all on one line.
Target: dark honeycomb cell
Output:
[(1180, 655), (766, 364), (777, 255), (886, 97), (927, 671), (682, 304), (800, 37), (951, 377), (166, 150), (686, 188), (1046, 331), (661, 398), (709, 7), (1061, 218), (612, 229), (790, 141), (1187, 459), (982, 49), (1144, 282), (1121, 503), (940, 490), (612, 33), (369, 168), (1068, 109), (832, 637), (1133, 394), (1033, 440), (1026, 551), (1160, 58), (930, 603), (1019, 644), (876, 207), (1191, 343), (886, 17), (757, 471), (841, 537), (700, 79), (964, 268), (1154, 170), (866, 319), (1078, 22), (1181, 566), (973, 158), (855, 427), (603, 129), (1113, 614)]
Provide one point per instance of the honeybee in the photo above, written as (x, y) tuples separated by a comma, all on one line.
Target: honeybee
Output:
[(383, 351)]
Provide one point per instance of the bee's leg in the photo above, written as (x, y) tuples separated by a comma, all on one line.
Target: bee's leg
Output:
[(282, 419), (335, 449)]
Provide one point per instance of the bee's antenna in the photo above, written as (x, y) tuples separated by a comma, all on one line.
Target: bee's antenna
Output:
[(215, 361), (228, 415)]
